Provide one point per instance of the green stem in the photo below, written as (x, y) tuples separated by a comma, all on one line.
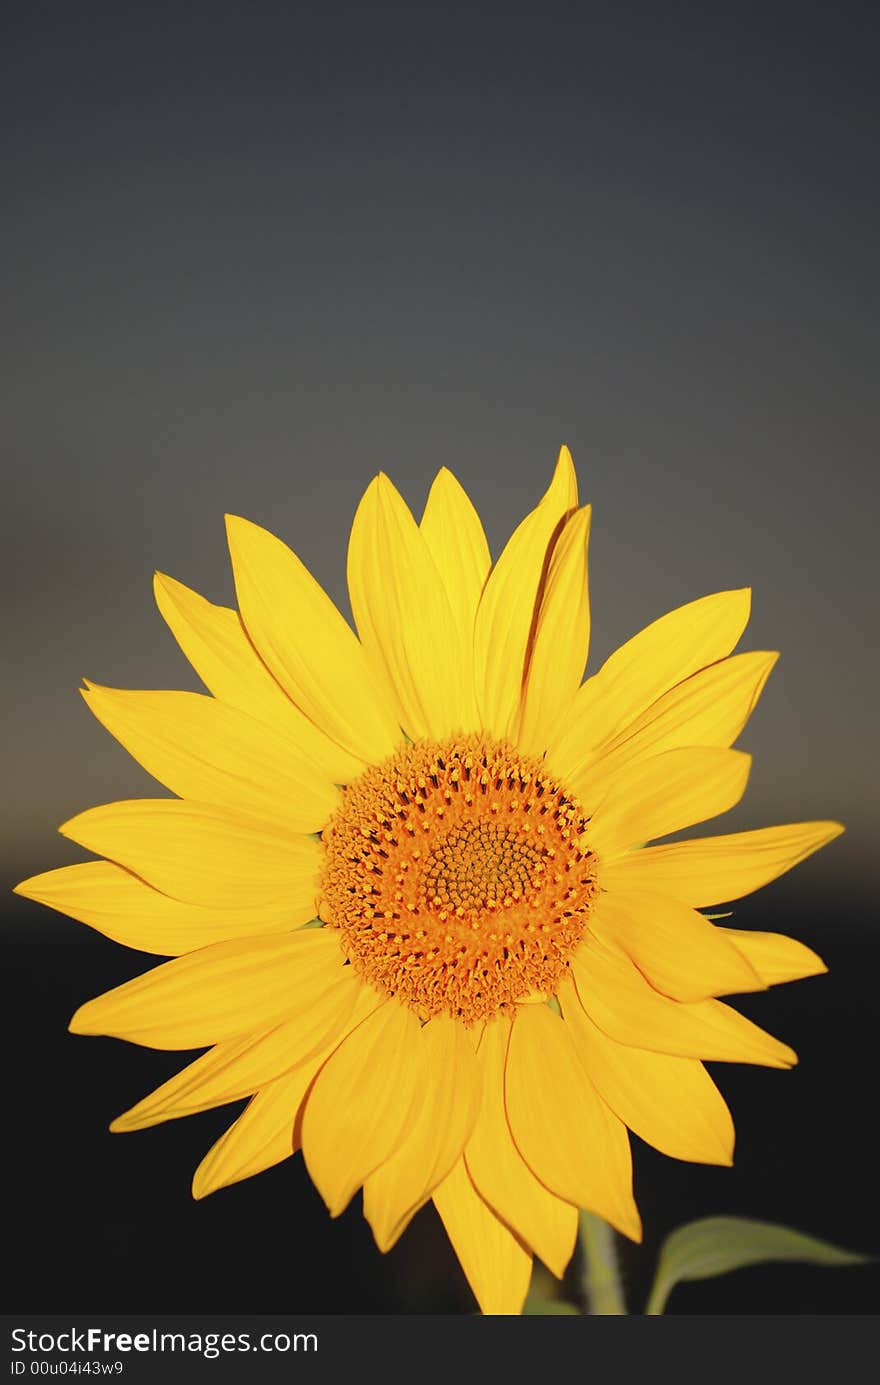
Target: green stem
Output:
[(601, 1270)]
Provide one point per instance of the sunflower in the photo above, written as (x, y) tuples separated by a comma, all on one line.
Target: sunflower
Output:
[(405, 886)]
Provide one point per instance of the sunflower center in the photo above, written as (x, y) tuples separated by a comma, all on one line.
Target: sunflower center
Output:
[(454, 874)]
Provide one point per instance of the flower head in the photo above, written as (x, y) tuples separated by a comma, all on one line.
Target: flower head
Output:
[(405, 882)]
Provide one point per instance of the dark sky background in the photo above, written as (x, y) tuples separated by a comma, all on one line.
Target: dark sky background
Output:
[(254, 253)]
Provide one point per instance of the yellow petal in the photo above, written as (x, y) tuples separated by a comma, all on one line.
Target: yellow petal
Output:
[(306, 644), (405, 620), (709, 708), (454, 536), (679, 951), (671, 1103), (202, 854), (507, 609), (219, 993), (643, 669), (714, 870), (362, 1104), (566, 1133), (622, 1003), (775, 957), (268, 1130), (558, 656), (653, 797), (496, 1265), (216, 644), (451, 1096), (263, 1135), (543, 1221), (126, 909), (239, 1067), (202, 749)]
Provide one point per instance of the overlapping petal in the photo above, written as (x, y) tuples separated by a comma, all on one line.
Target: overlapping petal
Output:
[(642, 670), (202, 749), (445, 1118), (416, 641), (454, 535), (268, 1131), (671, 1103), (307, 645), (709, 708), (125, 908), (239, 1067), (263, 1135), (714, 870), (676, 789), (568, 1136), (363, 1103), (557, 653), (544, 1222), (495, 1262), (679, 951), (202, 854), (215, 642), (218, 993), (775, 957), (506, 615), (622, 1003)]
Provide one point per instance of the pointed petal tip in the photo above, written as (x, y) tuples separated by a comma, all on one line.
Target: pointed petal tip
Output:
[(565, 468), (204, 1180), (742, 595), (38, 887), (386, 490), (446, 479), (582, 518), (826, 830), (163, 584), (335, 1206), (632, 1228), (239, 528), (79, 1022), (375, 488), (786, 1057)]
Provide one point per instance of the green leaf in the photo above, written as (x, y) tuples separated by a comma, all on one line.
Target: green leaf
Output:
[(548, 1307), (715, 1245)]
